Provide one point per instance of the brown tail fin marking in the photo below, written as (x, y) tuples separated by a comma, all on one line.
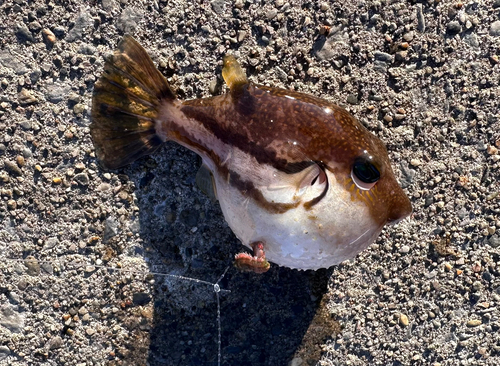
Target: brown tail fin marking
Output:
[(125, 105)]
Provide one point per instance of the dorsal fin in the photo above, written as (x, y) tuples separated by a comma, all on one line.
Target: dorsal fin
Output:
[(233, 74)]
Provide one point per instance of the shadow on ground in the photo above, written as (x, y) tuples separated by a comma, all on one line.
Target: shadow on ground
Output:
[(263, 318)]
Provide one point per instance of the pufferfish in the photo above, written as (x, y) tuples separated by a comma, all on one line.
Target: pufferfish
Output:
[(299, 180)]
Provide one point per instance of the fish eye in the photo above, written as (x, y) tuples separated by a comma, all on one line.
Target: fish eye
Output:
[(364, 174)]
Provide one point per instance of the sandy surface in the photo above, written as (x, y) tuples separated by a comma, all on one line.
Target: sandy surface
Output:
[(423, 76)]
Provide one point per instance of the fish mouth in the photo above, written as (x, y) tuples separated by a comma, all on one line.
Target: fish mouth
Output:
[(393, 222), (400, 209)]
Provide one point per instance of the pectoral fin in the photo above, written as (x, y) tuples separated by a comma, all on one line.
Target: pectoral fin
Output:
[(289, 188), (205, 182)]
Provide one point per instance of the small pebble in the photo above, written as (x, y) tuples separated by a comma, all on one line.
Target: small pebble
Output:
[(495, 29), (55, 343), (4, 352), (24, 34), (12, 168), (352, 99), (20, 160), (383, 56), (491, 150), (404, 249), (271, 14), (74, 97), (34, 26), (59, 31), (408, 37), (11, 205), (82, 179), (415, 162), (25, 97), (453, 27), (474, 323), (420, 18), (48, 36), (403, 319), (32, 265), (241, 35), (79, 108)]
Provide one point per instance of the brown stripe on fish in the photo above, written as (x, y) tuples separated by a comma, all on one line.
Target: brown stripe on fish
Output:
[(233, 137), (214, 130), (257, 133)]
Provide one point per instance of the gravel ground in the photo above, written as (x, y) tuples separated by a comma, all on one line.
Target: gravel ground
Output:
[(78, 245)]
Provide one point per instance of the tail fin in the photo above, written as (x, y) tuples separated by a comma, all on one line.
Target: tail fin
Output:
[(125, 105)]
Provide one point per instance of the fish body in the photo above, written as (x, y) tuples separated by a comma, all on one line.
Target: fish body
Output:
[(296, 176)]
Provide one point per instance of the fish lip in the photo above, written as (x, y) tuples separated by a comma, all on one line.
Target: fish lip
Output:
[(400, 206), (401, 217), (393, 222)]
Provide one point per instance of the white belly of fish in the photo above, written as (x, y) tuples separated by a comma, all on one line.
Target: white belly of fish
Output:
[(300, 238)]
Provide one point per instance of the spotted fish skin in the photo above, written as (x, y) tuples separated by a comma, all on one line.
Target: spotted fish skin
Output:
[(286, 165)]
